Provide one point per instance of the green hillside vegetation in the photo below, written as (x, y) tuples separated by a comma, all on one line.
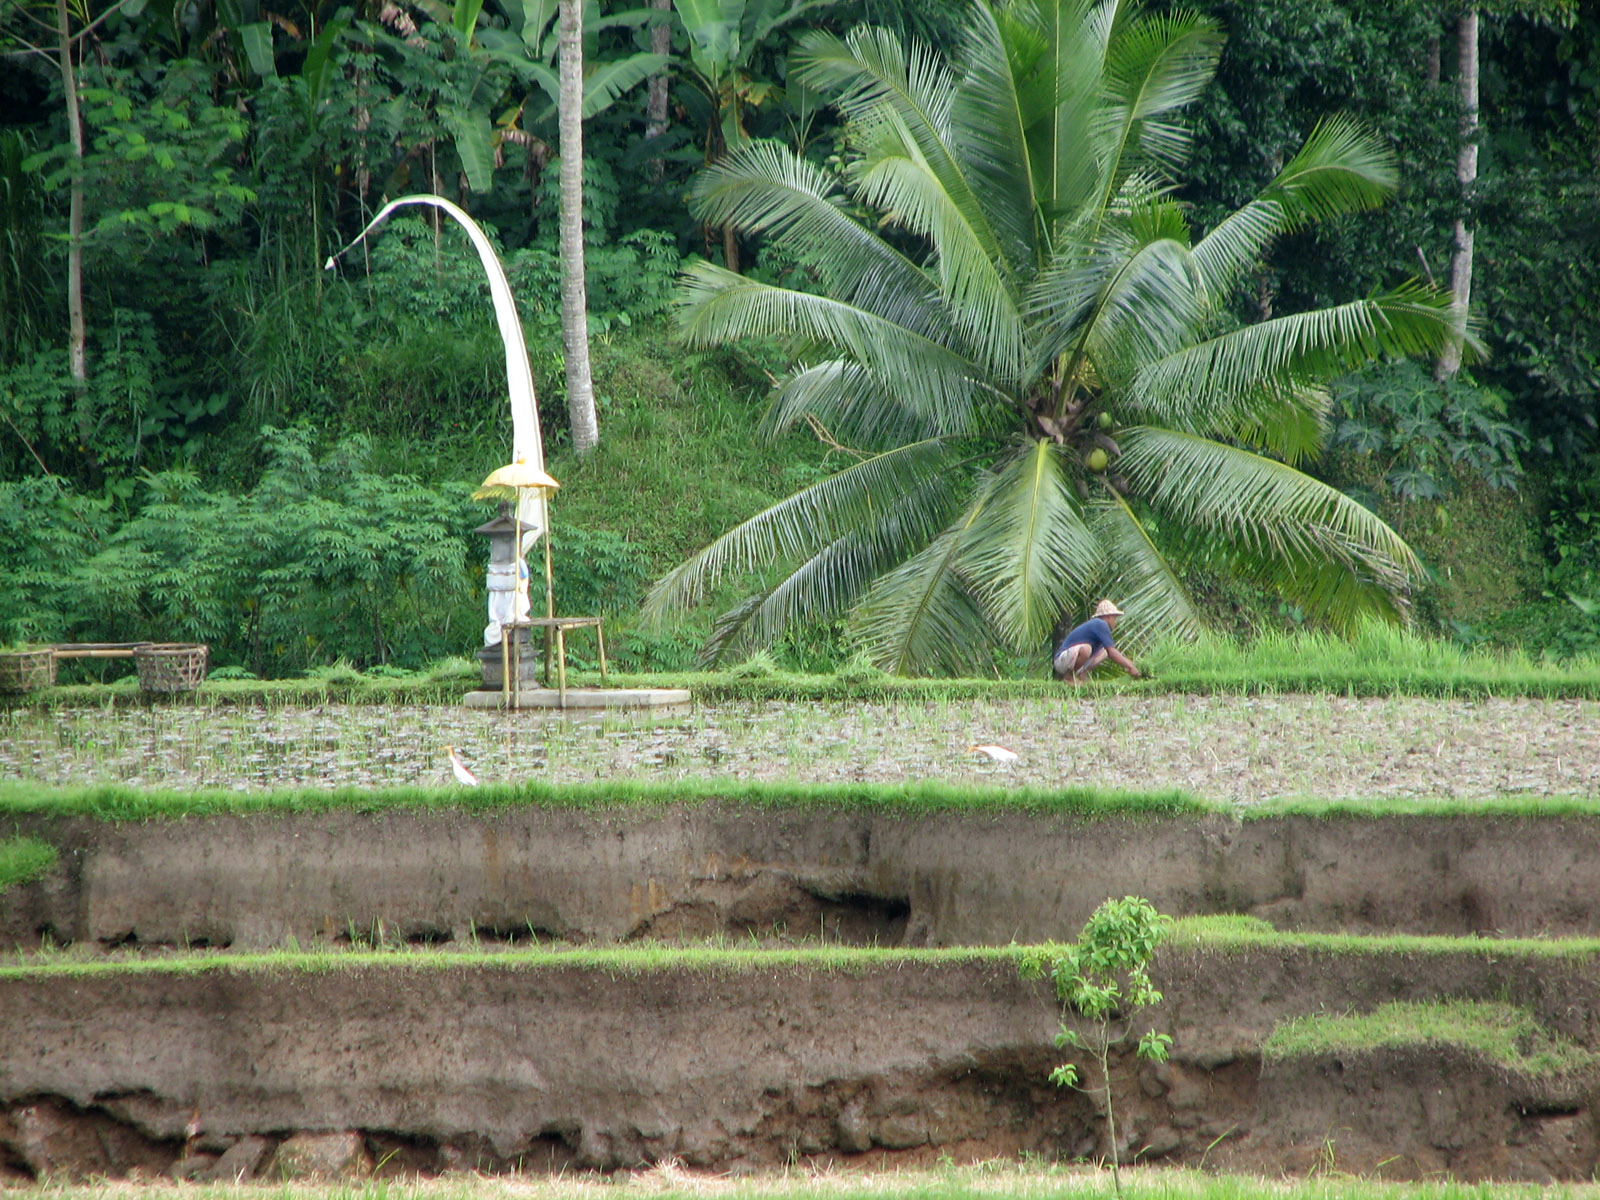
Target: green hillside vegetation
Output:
[(277, 461)]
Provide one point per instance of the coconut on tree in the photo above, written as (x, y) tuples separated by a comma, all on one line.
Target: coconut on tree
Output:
[(1034, 357)]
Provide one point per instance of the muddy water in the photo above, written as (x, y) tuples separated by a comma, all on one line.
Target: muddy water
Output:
[(1238, 748)]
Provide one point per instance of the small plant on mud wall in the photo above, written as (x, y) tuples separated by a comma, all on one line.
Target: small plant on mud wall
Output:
[(1103, 983)]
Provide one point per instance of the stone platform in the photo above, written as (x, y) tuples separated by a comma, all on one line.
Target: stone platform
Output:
[(583, 699)]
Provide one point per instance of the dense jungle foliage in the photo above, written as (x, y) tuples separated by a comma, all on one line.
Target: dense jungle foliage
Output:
[(278, 460)]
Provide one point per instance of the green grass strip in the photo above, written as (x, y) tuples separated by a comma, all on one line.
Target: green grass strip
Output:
[(116, 802), (616, 961), (1223, 935), (1235, 934), (24, 859), (346, 688), (1502, 1033), (120, 802), (999, 1179), (1379, 660), (1519, 806)]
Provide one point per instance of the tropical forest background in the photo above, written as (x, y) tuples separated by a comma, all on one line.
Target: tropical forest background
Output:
[(278, 460)]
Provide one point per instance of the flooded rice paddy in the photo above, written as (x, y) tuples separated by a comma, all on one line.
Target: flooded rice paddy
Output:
[(1223, 747)]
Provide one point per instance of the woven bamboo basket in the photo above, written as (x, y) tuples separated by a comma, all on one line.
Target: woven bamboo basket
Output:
[(171, 666), (26, 670)]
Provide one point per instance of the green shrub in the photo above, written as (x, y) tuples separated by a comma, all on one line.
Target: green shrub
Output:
[(1102, 981)]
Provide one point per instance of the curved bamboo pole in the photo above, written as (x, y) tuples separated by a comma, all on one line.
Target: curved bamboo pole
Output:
[(527, 442)]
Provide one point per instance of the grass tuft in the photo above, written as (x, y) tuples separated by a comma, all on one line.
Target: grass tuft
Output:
[(1380, 660), (1502, 1033), (24, 859), (1236, 934)]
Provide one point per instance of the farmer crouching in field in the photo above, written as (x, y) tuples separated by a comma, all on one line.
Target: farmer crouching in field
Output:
[(1090, 644)]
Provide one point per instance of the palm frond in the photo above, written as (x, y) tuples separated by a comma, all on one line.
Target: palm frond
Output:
[(1143, 581), (1201, 387), (1310, 540), (730, 630), (765, 188), (1290, 422), (920, 619), (715, 305), (1340, 169), (1236, 244), (976, 287), (864, 407), (829, 582), (1144, 303), (987, 130), (800, 526), (1148, 307), (1065, 153), (871, 74), (1030, 553), (1154, 65)]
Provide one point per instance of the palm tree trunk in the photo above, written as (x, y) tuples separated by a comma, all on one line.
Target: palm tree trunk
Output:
[(1466, 175), (77, 337), (574, 300), (655, 109)]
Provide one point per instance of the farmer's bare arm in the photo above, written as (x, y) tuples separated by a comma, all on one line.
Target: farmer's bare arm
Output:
[(1123, 661)]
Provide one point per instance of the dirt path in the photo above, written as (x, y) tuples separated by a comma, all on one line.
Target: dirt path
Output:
[(1224, 747)]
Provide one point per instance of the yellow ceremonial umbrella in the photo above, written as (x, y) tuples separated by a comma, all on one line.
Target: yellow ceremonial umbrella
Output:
[(513, 479)]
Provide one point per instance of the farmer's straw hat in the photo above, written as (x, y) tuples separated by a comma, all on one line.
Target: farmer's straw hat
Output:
[(1107, 609)]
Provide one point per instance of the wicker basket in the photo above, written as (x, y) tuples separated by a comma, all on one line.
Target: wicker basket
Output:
[(170, 666), (25, 670)]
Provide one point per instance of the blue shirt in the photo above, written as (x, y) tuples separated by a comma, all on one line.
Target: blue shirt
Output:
[(1094, 633)]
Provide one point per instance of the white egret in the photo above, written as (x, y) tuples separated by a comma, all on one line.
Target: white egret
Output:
[(460, 768)]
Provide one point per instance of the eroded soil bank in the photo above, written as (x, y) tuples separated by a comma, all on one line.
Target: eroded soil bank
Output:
[(225, 1072), (691, 872)]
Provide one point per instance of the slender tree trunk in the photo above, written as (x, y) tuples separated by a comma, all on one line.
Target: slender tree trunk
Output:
[(574, 301), (77, 338), (655, 109), (1103, 1052), (1466, 175)]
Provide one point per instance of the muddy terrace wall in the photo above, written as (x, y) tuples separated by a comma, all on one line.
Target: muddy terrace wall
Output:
[(230, 1072), (929, 879)]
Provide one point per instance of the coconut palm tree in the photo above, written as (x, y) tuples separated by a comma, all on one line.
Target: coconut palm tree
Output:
[(1033, 357)]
